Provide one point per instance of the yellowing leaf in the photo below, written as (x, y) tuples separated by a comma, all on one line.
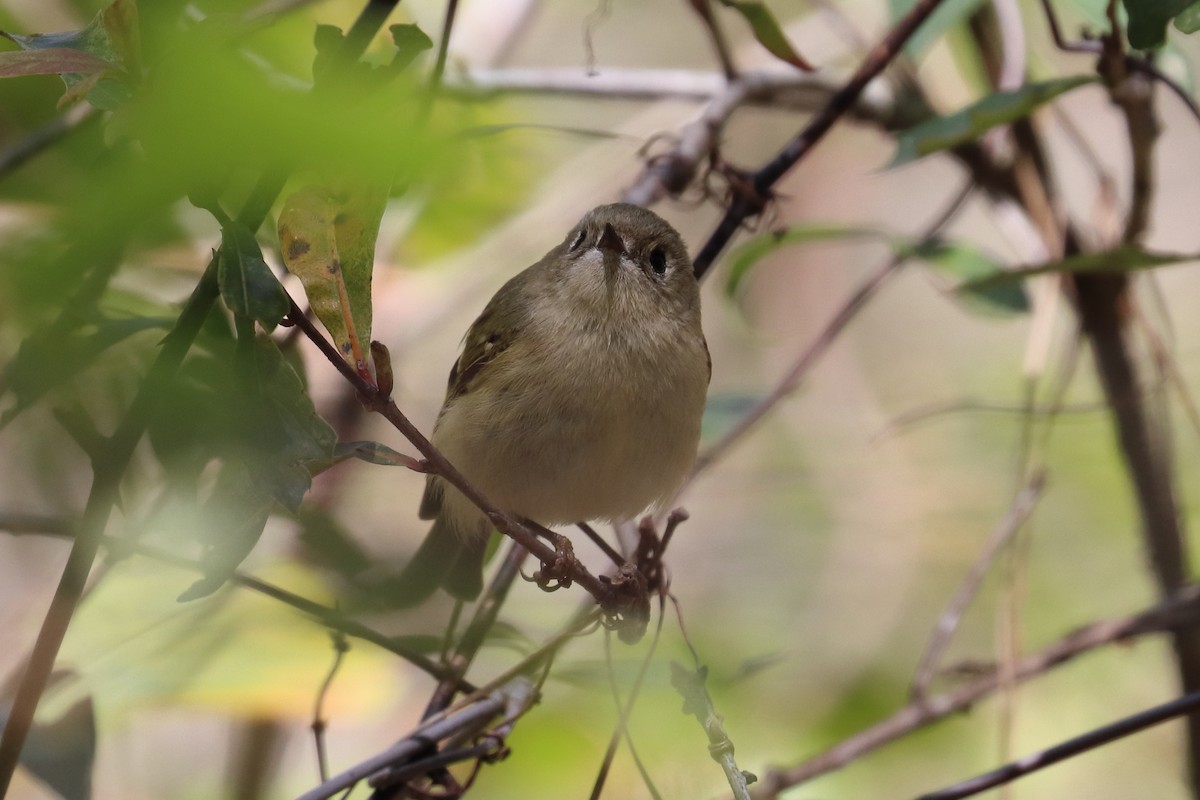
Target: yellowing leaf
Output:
[(327, 238)]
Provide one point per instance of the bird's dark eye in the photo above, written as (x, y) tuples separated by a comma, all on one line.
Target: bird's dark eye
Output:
[(578, 240), (658, 261)]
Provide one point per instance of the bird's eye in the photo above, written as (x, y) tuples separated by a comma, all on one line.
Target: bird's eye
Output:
[(658, 261), (578, 240)]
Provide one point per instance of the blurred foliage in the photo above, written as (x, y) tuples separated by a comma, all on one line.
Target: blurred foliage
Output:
[(165, 123)]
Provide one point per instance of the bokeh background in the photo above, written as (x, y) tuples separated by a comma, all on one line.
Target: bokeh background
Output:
[(821, 549)]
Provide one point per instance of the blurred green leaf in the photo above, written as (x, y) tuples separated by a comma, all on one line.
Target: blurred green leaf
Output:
[(329, 544), (237, 512), (999, 108), (100, 61), (410, 42), (327, 239), (752, 252), (1126, 258), (1188, 20), (61, 752), (50, 357), (283, 431), (966, 264), (1148, 20), (948, 14), (248, 286), (767, 31)]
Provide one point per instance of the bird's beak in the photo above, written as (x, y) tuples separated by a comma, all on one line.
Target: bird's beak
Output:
[(610, 240)]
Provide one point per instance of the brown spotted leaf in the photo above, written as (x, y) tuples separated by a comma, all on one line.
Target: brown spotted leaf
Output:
[(327, 238)]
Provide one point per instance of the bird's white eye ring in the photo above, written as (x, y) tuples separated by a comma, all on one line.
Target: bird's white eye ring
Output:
[(578, 240)]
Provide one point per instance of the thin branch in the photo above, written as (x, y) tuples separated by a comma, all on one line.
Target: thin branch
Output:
[(750, 203), (329, 617), (572, 570), (1181, 609), (1022, 506), (1135, 723), (473, 637), (45, 135), (319, 723), (471, 718), (108, 469), (842, 318), (439, 66)]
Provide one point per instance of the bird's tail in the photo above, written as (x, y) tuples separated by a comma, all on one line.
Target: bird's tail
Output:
[(444, 559)]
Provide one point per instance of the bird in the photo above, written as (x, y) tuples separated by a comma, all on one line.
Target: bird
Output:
[(578, 394)]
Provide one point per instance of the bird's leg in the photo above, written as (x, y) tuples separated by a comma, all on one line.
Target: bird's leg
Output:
[(556, 574)]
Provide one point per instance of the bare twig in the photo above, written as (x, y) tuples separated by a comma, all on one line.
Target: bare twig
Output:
[(437, 464), (750, 203), (1022, 506), (329, 617), (1181, 609), (791, 380), (340, 648), (1135, 723), (472, 718)]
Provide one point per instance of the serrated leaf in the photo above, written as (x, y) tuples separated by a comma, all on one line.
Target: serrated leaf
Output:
[(768, 32), (752, 252), (248, 286), (410, 42), (966, 264), (1148, 20), (327, 239), (1188, 20), (1126, 258), (968, 124), (948, 14)]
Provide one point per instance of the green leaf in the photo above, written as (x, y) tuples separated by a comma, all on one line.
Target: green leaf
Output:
[(327, 238), (410, 42), (50, 357), (1126, 258), (967, 264), (61, 752), (1000, 108), (237, 512), (767, 31), (1148, 20), (283, 432), (1188, 20), (948, 14), (247, 284), (100, 76), (752, 252)]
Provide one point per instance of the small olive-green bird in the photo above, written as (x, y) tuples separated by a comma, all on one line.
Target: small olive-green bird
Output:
[(577, 397)]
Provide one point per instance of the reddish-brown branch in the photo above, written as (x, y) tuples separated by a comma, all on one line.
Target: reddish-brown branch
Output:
[(1183, 608), (747, 204)]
